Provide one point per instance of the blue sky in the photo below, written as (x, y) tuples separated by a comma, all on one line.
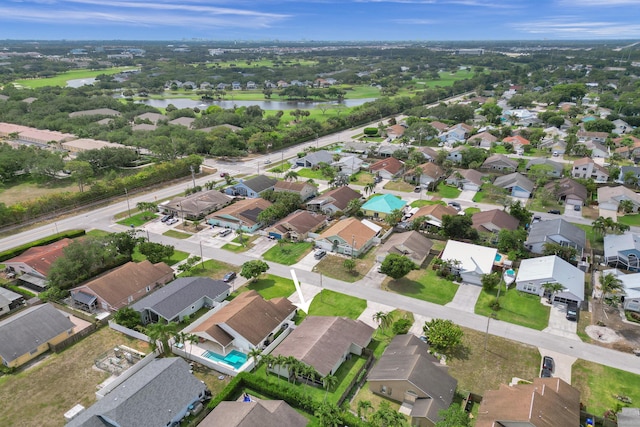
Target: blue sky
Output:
[(423, 20)]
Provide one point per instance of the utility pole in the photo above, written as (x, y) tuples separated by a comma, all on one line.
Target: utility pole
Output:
[(128, 207), (193, 176), (201, 257)]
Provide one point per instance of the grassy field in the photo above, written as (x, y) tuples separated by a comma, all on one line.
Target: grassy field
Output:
[(330, 303), (138, 219), (28, 189), (40, 396), (212, 268), (515, 307), (423, 284), (630, 220), (478, 370), (61, 79), (269, 287), (313, 174), (399, 186), (471, 211), (288, 253), (175, 258), (260, 63), (446, 191), (237, 247), (282, 167), (332, 266), (598, 385), (176, 234), (362, 178), (421, 203)]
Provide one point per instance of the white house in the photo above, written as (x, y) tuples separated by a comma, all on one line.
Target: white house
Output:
[(475, 260), (536, 272), (631, 292)]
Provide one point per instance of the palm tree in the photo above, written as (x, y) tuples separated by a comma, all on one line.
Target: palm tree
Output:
[(181, 337), (329, 382), (610, 284), (254, 353), (193, 340), (267, 359), (354, 206), (309, 373), (383, 319), (368, 189), (552, 288), (328, 414), (599, 226), (161, 332), (363, 407), (280, 361), (291, 176), (290, 364)]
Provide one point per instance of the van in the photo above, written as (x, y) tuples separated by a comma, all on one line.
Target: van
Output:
[(225, 232), (572, 311)]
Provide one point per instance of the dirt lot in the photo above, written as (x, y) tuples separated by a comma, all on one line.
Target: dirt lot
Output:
[(608, 321)]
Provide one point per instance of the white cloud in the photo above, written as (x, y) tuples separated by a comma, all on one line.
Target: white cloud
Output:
[(587, 3), (571, 27)]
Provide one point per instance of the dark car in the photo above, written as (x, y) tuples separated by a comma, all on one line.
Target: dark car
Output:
[(319, 254), (166, 218), (547, 363), (545, 373), (572, 311), (536, 218), (576, 207), (456, 206), (223, 174), (554, 211), (229, 276)]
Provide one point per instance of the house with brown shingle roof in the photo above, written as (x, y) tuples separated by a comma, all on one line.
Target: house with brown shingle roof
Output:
[(493, 221), (183, 121), (32, 266), (482, 140), (434, 213), (263, 413), (439, 126), (568, 190), (96, 112), (349, 237), (548, 402), (334, 200), (387, 168), (297, 225), (395, 131), (303, 189), (242, 214), (195, 206), (584, 136), (413, 245), (466, 179), (246, 322), (121, 286), (324, 343), (430, 175)]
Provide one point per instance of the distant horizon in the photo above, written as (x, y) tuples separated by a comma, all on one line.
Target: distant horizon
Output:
[(320, 20)]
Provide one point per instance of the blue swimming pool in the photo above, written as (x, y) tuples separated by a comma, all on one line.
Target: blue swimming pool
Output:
[(235, 359), (498, 258)]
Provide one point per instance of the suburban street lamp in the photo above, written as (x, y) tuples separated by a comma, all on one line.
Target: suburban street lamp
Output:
[(127, 196)]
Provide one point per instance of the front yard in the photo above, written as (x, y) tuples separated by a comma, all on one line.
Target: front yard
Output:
[(445, 191), (332, 266), (423, 284), (399, 186), (212, 268), (236, 246), (287, 253), (516, 307), (630, 220), (269, 287), (362, 178), (312, 174), (138, 219), (330, 303), (177, 256)]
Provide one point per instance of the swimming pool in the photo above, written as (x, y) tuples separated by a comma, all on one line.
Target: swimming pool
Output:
[(235, 359), (498, 258)]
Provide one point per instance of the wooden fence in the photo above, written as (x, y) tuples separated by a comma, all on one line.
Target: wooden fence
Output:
[(57, 348)]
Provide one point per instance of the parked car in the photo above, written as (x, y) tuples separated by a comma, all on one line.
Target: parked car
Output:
[(554, 211), (377, 179), (547, 363), (166, 218), (536, 218), (267, 162), (456, 206), (225, 232), (572, 311), (172, 221), (417, 189), (223, 174), (576, 207), (545, 373), (229, 276), (319, 254)]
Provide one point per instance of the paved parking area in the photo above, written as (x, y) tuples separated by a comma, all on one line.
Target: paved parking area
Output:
[(570, 211), (466, 297), (563, 364), (308, 262), (467, 195), (558, 323)]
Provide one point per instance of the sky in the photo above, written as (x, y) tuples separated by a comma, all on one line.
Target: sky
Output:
[(325, 20)]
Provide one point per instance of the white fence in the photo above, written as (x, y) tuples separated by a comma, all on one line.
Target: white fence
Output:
[(130, 332), (107, 388)]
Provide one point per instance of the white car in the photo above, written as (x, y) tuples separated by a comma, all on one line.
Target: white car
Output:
[(172, 221)]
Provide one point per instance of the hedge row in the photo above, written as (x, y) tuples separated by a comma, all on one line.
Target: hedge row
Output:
[(14, 252)]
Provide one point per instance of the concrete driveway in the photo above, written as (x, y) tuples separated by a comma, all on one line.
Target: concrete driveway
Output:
[(558, 323), (570, 211), (373, 308), (308, 262), (418, 322), (467, 195), (260, 246), (606, 213), (562, 362), (465, 298)]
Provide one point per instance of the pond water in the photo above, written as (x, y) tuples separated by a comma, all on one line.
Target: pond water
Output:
[(81, 82), (265, 105)]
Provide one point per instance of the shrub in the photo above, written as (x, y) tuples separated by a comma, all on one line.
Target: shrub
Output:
[(401, 326), (494, 304), (371, 131)]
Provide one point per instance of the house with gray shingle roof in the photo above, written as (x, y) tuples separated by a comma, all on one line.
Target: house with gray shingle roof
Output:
[(408, 374), (500, 162), (253, 187), (414, 245), (555, 231), (552, 168), (516, 184), (196, 205), (28, 334), (159, 394), (181, 298), (314, 158), (263, 413)]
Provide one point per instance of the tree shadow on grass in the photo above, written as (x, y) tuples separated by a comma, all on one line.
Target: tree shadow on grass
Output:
[(406, 286)]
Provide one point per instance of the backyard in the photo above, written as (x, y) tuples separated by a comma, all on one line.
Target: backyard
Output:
[(287, 253), (423, 284), (332, 266), (599, 384), (269, 286), (595, 240), (516, 307)]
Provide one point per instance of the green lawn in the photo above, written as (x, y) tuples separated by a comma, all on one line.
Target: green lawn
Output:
[(269, 286), (330, 303), (61, 79), (362, 178), (630, 220), (500, 149), (596, 241), (423, 284), (175, 258), (598, 385), (282, 167), (237, 247), (212, 268), (480, 197), (447, 191), (176, 234), (446, 79), (138, 219), (97, 233), (538, 205), (287, 253), (515, 307), (332, 266), (421, 203), (313, 174), (471, 211), (399, 186)]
